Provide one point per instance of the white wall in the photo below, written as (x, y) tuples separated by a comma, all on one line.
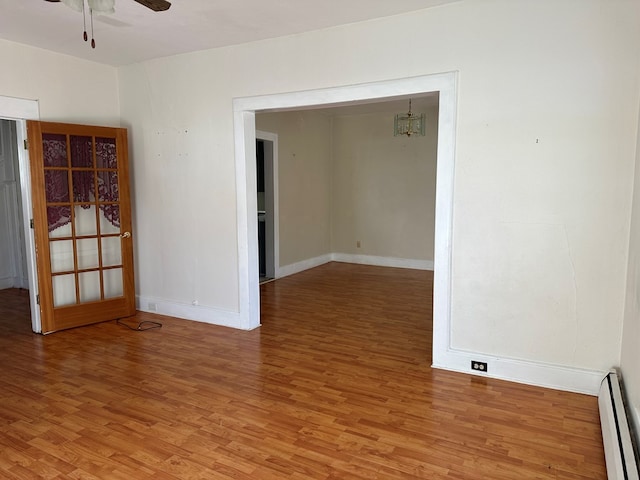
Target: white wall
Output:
[(631, 331), (67, 89), (384, 187), (305, 183), (545, 145)]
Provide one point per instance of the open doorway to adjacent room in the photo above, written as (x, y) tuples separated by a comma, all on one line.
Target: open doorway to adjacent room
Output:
[(266, 180), (13, 256)]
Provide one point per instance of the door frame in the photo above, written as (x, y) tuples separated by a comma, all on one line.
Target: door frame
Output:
[(20, 110), (244, 109), (272, 217)]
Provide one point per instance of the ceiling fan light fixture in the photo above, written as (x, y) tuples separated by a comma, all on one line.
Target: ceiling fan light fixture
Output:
[(99, 7), (102, 7), (76, 5), (106, 7)]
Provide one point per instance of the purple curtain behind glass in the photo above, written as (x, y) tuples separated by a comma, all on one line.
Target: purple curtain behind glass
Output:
[(57, 189)]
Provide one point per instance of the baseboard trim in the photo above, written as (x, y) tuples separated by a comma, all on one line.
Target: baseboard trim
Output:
[(350, 258), (557, 377), (198, 313), (303, 265), (383, 261)]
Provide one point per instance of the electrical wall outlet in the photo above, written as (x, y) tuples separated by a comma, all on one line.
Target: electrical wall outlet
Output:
[(479, 366), (358, 244), (153, 307)]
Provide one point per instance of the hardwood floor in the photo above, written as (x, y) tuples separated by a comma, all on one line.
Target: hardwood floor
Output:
[(336, 384)]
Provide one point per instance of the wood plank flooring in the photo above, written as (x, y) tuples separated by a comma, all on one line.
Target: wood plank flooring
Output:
[(336, 384)]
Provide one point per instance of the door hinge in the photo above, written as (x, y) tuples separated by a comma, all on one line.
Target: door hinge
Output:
[(38, 299), (26, 144), (31, 223)]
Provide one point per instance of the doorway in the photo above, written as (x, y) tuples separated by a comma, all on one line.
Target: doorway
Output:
[(245, 134), (267, 206), (17, 111), (13, 256)]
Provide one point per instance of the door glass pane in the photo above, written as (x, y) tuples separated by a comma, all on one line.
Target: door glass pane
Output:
[(83, 187), (109, 219), (64, 290), (108, 186), (54, 150), (89, 286), (59, 219), (81, 152), (87, 253), (111, 254), (56, 184), (106, 153), (113, 283), (61, 254), (85, 220)]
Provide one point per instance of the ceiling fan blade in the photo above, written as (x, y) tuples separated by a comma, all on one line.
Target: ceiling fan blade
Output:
[(155, 5)]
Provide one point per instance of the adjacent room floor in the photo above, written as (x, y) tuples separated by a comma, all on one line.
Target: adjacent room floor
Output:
[(336, 384)]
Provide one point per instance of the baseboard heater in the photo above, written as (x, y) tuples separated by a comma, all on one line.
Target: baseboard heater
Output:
[(617, 436)]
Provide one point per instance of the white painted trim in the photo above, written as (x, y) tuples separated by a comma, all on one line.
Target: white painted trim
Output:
[(298, 267), (246, 198), (357, 259), (20, 110), (522, 371), (443, 238), (197, 313), (383, 261), (27, 215), (244, 132)]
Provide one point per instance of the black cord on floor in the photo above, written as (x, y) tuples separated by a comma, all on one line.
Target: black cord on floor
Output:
[(140, 327)]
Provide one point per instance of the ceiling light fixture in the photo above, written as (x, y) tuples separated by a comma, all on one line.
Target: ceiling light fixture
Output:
[(409, 123)]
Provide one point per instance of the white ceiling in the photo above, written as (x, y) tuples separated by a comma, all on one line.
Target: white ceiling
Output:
[(135, 33)]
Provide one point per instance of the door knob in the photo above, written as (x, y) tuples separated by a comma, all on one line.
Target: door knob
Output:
[(125, 235)]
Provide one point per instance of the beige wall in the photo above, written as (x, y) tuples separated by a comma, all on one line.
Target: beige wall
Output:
[(67, 89), (344, 178), (304, 168), (383, 187)]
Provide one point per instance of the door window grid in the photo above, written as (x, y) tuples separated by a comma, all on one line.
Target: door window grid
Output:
[(82, 268)]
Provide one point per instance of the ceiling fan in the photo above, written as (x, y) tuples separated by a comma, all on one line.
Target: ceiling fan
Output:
[(155, 5), (106, 7)]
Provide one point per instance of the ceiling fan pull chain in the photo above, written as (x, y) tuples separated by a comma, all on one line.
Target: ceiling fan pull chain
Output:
[(84, 21), (93, 42)]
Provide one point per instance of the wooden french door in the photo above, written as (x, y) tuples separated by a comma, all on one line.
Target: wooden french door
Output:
[(82, 222)]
